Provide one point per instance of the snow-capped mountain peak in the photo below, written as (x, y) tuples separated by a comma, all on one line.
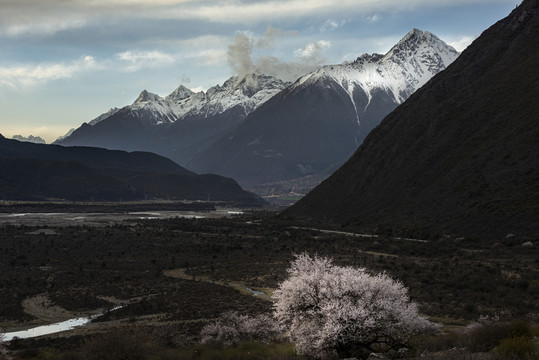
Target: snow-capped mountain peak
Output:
[(251, 84), (146, 96), (403, 69), (29, 138), (180, 93), (248, 91), (424, 50)]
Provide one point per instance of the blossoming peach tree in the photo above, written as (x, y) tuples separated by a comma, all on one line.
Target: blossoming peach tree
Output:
[(332, 309)]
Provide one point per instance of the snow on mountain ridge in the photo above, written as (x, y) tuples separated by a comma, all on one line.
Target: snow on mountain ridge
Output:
[(101, 117), (180, 93), (29, 138), (403, 69), (248, 92)]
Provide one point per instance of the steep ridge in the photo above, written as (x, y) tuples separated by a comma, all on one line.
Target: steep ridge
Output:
[(461, 155), (179, 125), (38, 172), (313, 126)]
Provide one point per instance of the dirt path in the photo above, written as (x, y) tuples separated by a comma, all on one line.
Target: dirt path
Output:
[(41, 307), (345, 233), (245, 290)]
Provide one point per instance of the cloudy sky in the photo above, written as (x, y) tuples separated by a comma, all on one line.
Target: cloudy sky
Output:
[(64, 62)]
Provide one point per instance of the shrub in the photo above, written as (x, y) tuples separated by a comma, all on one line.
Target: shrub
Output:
[(4, 353), (232, 328), (432, 343), (487, 333), (330, 309), (484, 336), (127, 343), (521, 348), (241, 351)]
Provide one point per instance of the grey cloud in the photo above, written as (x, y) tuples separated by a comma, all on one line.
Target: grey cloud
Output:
[(239, 55), (241, 60)]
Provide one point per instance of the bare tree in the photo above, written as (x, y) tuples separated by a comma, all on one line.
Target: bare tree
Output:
[(329, 308)]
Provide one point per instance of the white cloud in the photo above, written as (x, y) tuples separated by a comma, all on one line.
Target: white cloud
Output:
[(461, 43), (137, 60), (331, 24), (46, 17), (25, 75), (206, 50), (44, 26), (197, 89), (208, 57), (22, 17), (245, 12), (373, 18), (312, 50)]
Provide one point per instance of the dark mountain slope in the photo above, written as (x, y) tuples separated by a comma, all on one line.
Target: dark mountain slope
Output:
[(35, 172), (113, 160), (33, 179), (270, 146), (460, 155)]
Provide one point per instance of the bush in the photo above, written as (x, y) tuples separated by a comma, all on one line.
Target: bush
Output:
[(232, 328), (486, 337), (521, 348), (4, 353), (241, 351), (520, 328), (511, 340), (119, 344), (432, 343)]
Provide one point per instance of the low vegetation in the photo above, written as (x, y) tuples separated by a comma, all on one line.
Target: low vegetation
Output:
[(79, 269)]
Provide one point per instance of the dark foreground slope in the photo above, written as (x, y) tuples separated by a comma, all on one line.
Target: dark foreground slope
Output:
[(460, 155), (38, 172)]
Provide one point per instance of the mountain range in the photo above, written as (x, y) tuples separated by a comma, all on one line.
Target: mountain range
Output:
[(459, 156), (259, 129), (179, 125), (40, 172), (314, 125), (30, 138)]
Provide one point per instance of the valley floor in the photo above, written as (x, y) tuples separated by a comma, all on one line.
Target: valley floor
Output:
[(172, 276)]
